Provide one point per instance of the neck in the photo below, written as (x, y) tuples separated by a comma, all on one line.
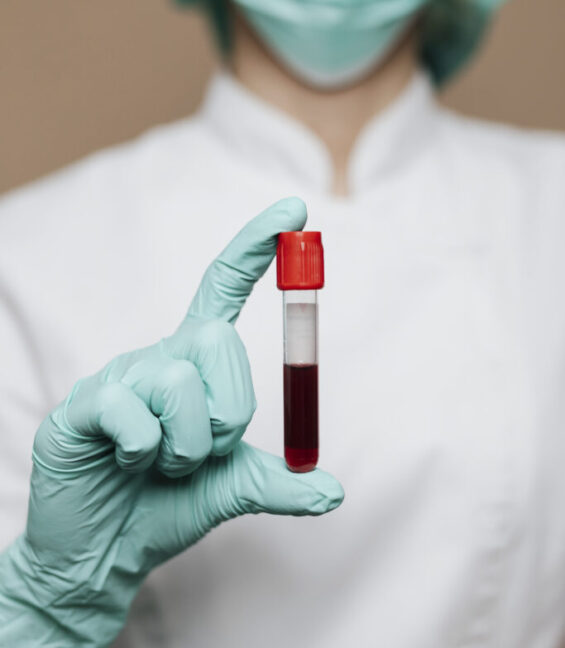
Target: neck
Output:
[(335, 116)]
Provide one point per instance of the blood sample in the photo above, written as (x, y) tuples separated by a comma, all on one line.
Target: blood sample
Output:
[(301, 416), (300, 273)]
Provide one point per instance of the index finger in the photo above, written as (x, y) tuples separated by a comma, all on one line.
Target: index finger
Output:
[(230, 278)]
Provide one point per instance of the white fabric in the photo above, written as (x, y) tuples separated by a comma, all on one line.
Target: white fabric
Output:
[(442, 367)]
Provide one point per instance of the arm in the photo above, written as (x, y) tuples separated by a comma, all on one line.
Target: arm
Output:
[(144, 458)]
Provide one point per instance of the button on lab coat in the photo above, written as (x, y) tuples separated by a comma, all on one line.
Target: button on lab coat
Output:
[(442, 366)]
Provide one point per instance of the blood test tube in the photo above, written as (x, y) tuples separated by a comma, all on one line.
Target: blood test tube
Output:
[(300, 274)]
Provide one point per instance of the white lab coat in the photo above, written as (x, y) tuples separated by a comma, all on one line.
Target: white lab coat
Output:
[(442, 367)]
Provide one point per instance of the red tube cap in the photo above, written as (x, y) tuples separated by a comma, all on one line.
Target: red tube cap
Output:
[(300, 261)]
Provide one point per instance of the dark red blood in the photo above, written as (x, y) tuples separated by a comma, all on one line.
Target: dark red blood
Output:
[(301, 417)]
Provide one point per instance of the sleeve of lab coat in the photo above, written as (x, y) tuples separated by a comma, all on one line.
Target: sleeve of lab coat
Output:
[(23, 404)]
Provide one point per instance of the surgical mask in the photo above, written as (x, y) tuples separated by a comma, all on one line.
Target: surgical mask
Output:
[(330, 43)]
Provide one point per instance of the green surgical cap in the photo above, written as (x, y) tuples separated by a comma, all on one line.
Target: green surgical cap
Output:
[(451, 31)]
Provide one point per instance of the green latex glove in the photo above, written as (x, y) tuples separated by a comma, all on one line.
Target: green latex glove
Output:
[(144, 458)]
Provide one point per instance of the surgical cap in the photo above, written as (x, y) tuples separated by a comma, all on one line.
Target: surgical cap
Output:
[(451, 31)]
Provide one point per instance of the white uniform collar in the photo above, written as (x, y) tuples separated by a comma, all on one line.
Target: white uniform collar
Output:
[(278, 145)]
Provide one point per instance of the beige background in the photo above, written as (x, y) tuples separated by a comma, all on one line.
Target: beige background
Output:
[(77, 75)]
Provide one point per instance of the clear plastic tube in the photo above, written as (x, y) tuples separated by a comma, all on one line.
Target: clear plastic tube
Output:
[(300, 312)]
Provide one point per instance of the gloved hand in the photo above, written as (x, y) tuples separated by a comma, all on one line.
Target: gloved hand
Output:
[(144, 458)]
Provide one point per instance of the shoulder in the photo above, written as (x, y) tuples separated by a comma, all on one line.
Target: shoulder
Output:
[(519, 175), (111, 176), (535, 158), (510, 138), (106, 201), (86, 234), (515, 175)]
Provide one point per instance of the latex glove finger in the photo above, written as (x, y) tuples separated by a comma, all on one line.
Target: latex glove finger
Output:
[(219, 355), (250, 480), (174, 392), (263, 484), (229, 280), (69, 439)]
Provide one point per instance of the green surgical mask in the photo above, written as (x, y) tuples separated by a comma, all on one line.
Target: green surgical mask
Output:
[(330, 43)]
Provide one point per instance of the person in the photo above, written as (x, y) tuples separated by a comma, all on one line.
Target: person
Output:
[(442, 329)]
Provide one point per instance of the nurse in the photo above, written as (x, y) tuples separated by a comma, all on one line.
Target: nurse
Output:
[(441, 375)]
